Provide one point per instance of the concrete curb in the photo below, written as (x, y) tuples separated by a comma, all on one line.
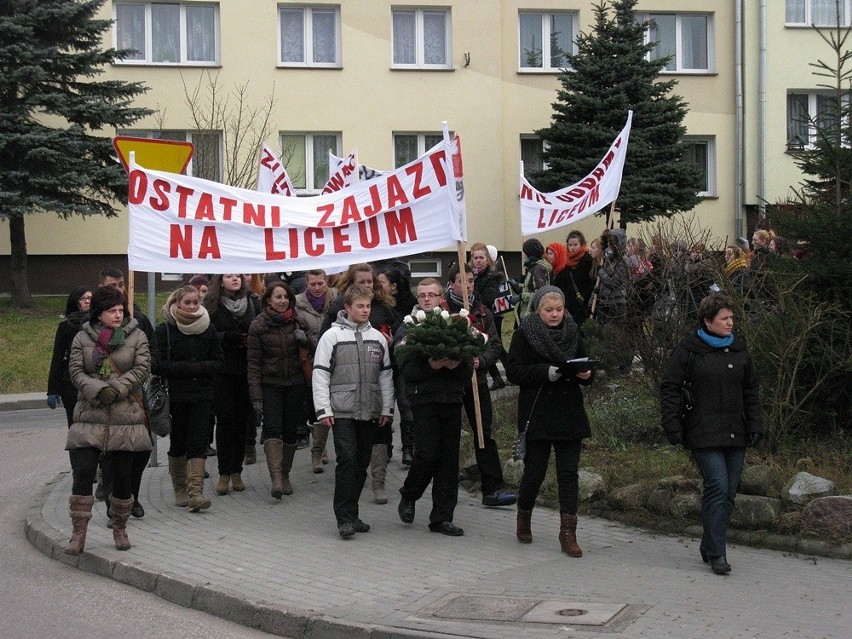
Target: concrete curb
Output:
[(276, 619), (23, 401)]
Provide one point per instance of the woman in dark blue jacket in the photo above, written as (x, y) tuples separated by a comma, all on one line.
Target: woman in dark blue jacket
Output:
[(550, 408), (190, 358), (720, 419)]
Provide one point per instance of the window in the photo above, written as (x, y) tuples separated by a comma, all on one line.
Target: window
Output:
[(532, 154), (810, 114), (701, 152), (425, 267), (686, 37), (305, 156), (407, 147), (822, 13), (545, 40), (206, 160), (421, 38), (309, 36), (161, 33)]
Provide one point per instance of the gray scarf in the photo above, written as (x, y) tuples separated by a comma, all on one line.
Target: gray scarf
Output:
[(556, 345), (236, 307)]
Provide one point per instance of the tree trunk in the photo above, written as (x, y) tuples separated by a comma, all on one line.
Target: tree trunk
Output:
[(21, 297)]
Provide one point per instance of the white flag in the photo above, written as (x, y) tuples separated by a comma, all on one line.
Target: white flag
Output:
[(272, 176)]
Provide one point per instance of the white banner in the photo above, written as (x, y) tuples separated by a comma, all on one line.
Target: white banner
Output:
[(271, 175), (182, 224), (542, 212), (344, 176), (364, 172)]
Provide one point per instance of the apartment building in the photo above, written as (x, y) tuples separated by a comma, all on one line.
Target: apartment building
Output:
[(381, 76)]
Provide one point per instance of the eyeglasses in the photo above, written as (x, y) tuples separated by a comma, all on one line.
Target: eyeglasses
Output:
[(427, 296)]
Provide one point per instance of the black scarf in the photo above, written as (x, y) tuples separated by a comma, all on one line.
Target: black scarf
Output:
[(556, 345)]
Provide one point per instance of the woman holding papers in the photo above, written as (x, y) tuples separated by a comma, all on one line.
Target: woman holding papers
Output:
[(550, 408)]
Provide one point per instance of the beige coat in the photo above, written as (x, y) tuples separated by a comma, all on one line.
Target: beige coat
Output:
[(120, 425), (308, 316)]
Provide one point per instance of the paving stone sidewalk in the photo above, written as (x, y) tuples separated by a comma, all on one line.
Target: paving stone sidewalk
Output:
[(280, 566)]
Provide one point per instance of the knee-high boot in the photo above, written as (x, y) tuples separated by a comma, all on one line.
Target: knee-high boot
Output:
[(120, 509), (286, 466), (274, 449), (177, 470), (195, 485), (524, 526), (568, 536), (81, 512), (379, 469), (317, 450)]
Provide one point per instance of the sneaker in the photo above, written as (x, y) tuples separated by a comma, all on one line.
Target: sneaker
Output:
[(303, 442), (346, 529), (360, 526), (499, 498)]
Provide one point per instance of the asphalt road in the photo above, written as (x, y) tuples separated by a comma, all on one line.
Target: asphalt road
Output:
[(43, 598)]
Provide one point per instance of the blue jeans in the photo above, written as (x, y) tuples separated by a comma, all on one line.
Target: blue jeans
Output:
[(721, 469)]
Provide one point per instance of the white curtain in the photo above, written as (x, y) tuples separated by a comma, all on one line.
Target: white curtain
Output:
[(795, 11), (165, 41), (292, 35), (324, 36), (435, 37), (404, 37), (200, 33), (662, 31), (694, 35), (824, 12), (130, 28)]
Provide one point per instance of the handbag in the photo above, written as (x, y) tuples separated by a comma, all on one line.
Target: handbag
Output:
[(156, 392), (307, 363), (519, 447)]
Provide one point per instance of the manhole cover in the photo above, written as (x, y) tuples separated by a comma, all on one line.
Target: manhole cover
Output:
[(571, 612), (581, 614)]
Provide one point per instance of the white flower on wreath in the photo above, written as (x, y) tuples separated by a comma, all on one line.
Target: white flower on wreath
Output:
[(420, 315), (445, 315), (463, 313), (408, 320)]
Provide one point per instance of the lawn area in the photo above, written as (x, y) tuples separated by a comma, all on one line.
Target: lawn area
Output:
[(26, 342)]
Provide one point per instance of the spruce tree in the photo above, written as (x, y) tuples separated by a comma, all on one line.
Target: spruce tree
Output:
[(56, 155), (610, 74)]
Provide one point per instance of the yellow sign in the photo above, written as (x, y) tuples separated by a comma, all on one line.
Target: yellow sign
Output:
[(157, 155)]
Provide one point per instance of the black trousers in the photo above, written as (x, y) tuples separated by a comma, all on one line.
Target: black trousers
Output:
[(284, 411), (234, 414), (190, 426), (353, 445), (487, 457), (535, 468), (437, 433), (138, 461), (84, 465)]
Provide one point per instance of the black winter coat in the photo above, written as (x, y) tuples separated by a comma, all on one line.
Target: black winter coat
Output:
[(558, 413), (486, 286), (59, 378), (189, 362), (726, 403), (233, 336), (578, 309)]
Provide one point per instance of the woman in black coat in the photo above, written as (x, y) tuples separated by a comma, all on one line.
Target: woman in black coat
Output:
[(190, 358), (550, 408), (60, 389), (488, 285), (232, 309), (722, 418)]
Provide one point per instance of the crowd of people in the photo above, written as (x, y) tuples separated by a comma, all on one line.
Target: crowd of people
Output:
[(302, 356)]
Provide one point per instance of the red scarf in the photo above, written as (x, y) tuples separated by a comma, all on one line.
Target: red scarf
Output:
[(574, 258)]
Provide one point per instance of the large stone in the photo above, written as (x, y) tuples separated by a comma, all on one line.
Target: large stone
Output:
[(591, 485), (513, 471), (829, 514), (804, 487), (686, 505), (753, 512), (759, 480), (659, 501), (630, 497)]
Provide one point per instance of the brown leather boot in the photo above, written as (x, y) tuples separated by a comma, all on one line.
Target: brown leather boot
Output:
[(177, 470), (222, 484), (195, 485), (286, 466), (379, 470), (274, 449), (524, 526), (568, 536), (81, 512), (320, 434), (120, 512)]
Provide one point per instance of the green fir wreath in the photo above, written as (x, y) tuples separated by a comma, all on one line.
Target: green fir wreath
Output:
[(440, 335)]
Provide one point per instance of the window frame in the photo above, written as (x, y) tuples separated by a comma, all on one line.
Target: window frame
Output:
[(148, 54), (436, 272), (545, 31), (808, 22), (186, 135), (709, 141), (678, 57), (308, 34), (422, 147), (532, 137), (813, 97), (419, 37), (310, 167)]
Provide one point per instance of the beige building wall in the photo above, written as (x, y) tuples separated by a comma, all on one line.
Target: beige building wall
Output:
[(487, 101)]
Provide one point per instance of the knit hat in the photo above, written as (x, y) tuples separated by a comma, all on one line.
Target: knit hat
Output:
[(104, 299), (200, 280), (544, 290), (534, 249)]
